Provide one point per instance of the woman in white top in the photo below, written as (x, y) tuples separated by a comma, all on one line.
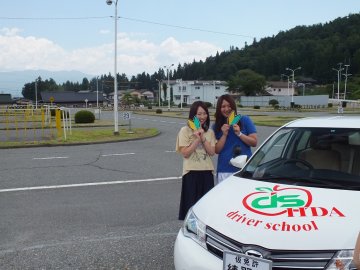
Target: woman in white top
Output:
[(196, 143)]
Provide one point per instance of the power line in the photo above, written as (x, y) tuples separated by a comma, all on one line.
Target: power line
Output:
[(129, 19), (52, 18), (186, 28)]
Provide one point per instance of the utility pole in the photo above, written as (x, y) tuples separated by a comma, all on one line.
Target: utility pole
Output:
[(36, 101), (338, 87), (168, 86), (346, 77), (293, 82)]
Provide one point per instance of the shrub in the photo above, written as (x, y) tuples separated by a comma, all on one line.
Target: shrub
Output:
[(149, 107), (158, 110), (273, 102), (184, 105), (256, 107), (330, 105), (84, 116), (276, 106), (208, 104)]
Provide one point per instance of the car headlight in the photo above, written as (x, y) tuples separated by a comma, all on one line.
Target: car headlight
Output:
[(194, 229), (342, 260)]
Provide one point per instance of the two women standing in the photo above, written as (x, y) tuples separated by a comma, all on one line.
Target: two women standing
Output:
[(197, 143)]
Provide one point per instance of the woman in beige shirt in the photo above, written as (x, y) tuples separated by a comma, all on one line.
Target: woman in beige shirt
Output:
[(196, 145)]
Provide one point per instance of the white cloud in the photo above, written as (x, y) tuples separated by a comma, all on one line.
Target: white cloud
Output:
[(135, 55), (10, 31), (104, 31)]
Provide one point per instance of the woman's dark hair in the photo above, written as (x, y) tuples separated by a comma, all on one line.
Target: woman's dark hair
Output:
[(219, 118), (193, 111)]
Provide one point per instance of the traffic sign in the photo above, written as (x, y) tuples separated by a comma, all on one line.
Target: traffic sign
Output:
[(126, 115)]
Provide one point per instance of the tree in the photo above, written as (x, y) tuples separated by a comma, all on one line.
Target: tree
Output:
[(248, 82), (164, 87), (85, 84)]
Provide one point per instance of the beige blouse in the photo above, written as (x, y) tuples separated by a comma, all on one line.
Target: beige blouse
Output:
[(199, 160)]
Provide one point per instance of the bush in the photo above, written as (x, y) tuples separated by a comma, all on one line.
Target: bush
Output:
[(276, 106), (330, 105), (208, 104), (149, 107), (158, 110), (256, 107), (184, 105), (82, 117), (273, 102)]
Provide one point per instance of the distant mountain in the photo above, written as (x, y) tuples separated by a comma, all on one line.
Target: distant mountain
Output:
[(12, 82)]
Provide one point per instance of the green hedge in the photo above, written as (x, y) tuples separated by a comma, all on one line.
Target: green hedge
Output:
[(82, 117)]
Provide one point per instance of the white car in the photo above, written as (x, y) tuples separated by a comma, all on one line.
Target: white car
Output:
[(295, 204)]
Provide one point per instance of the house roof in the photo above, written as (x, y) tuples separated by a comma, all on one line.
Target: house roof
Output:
[(5, 99), (277, 84), (71, 97)]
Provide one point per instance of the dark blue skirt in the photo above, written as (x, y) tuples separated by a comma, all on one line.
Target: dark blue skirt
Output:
[(195, 184)]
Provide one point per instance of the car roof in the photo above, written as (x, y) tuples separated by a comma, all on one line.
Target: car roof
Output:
[(327, 122)]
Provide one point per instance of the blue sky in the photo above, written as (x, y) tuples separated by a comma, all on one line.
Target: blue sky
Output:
[(79, 34)]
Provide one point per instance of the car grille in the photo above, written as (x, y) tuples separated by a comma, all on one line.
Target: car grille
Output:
[(282, 259)]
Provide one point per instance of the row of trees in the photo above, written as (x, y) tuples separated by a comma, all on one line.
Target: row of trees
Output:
[(317, 49)]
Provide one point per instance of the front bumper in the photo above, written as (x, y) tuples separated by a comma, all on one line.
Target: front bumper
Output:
[(190, 255)]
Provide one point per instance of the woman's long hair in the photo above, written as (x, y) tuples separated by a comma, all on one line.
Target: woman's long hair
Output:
[(193, 110), (219, 118)]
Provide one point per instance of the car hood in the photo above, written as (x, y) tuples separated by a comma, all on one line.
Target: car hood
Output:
[(278, 216)]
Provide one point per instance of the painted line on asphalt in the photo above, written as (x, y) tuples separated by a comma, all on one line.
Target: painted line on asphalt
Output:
[(124, 154), (89, 184), (170, 151), (90, 240), (49, 158)]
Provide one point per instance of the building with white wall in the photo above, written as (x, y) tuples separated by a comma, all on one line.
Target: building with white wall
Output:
[(190, 91), (279, 88)]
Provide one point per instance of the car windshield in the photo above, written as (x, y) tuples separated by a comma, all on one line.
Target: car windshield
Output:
[(322, 157)]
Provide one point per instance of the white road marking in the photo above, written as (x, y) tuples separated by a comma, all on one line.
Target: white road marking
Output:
[(172, 151), (89, 184), (123, 154), (50, 157)]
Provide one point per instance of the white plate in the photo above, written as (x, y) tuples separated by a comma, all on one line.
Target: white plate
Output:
[(244, 262)]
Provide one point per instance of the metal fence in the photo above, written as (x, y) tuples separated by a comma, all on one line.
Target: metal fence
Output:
[(27, 123)]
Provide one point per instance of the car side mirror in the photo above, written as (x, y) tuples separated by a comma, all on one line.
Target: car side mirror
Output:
[(239, 161)]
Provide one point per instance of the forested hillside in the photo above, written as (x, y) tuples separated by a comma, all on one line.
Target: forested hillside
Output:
[(317, 49)]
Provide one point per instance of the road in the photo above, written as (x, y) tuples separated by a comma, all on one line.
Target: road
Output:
[(101, 206)]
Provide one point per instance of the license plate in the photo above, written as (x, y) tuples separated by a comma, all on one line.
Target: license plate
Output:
[(238, 261)]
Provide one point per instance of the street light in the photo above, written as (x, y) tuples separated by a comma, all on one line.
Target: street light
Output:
[(168, 86), (116, 116), (293, 82), (346, 76), (36, 101), (303, 86), (181, 93), (159, 91), (338, 84), (97, 92)]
